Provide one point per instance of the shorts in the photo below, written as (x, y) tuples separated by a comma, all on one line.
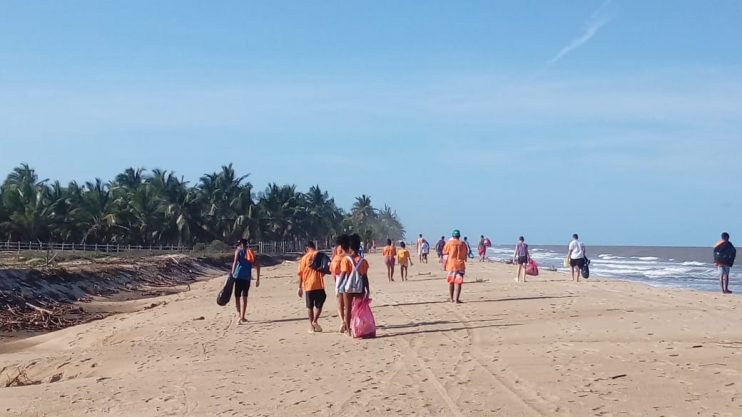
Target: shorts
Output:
[(389, 260), (482, 251), (315, 298), (725, 269), (241, 288), (522, 260), (404, 264), (580, 263), (339, 285), (456, 277)]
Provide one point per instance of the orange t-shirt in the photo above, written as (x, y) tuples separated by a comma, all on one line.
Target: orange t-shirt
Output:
[(389, 251), (337, 255), (403, 256), (346, 267), (311, 279), (456, 250)]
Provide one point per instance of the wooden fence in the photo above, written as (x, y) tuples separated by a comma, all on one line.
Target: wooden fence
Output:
[(260, 247)]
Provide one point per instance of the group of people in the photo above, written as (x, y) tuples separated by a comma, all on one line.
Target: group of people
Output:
[(349, 270)]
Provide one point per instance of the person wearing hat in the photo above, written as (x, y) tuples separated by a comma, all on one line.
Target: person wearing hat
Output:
[(456, 250), (242, 266)]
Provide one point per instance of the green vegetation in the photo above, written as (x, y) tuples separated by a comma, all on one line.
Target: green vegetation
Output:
[(158, 208)]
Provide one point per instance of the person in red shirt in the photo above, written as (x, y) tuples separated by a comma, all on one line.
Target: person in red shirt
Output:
[(312, 287), (456, 252)]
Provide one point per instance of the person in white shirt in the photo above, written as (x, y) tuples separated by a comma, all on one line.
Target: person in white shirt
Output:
[(577, 255)]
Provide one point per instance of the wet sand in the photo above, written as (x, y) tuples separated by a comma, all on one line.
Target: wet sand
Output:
[(549, 347)]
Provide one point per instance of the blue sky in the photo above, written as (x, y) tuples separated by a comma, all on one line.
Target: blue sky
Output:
[(619, 120)]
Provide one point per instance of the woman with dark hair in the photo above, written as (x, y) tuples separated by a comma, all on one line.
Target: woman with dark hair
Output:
[(521, 257), (338, 254), (242, 266), (389, 253), (353, 278)]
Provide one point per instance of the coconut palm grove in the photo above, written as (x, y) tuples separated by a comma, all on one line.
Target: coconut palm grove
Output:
[(156, 207)]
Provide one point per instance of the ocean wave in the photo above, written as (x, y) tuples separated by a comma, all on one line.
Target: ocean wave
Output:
[(693, 263)]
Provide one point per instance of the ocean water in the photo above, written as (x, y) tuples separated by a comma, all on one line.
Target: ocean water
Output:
[(689, 268)]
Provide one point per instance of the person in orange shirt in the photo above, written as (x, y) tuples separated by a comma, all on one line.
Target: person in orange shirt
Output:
[(312, 287), (405, 260), (339, 253), (352, 268), (389, 252), (456, 250)]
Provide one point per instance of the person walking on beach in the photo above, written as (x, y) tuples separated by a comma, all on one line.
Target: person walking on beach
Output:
[(469, 252), (521, 256), (482, 249), (405, 260), (577, 257), (457, 253), (242, 266), (419, 247), (724, 255), (439, 247), (353, 266), (312, 287), (389, 252), (426, 250), (338, 254)]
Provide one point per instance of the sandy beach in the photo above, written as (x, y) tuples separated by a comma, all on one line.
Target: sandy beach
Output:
[(548, 347)]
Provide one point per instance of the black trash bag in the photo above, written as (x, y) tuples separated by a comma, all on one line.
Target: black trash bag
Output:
[(226, 293), (585, 271)]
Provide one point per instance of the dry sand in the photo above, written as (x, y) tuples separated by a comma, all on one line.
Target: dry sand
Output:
[(549, 347)]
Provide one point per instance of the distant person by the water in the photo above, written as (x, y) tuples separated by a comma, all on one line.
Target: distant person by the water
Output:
[(724, 255), (341, 250), (312, 287), (419, 247), (426, 250), (439, 247), (521, 256), (577, 257), (242, 266), (456, 250), (389, 252), (469, 252), (354, 278), (482, 249), (405, 260)]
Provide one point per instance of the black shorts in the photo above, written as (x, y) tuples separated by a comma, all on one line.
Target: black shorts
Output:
[(522, 260), (316, 298), (241, 288), (577, 263)]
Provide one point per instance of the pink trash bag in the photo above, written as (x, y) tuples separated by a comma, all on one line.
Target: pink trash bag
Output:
[(532, 268), (363, 324)]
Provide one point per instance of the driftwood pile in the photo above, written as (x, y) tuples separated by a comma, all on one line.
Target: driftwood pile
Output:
[(36, 300)]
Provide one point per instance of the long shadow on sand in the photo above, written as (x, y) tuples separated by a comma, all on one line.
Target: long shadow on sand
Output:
[(497, 300), (448, 329)]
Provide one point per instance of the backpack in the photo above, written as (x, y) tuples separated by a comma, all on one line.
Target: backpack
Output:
[(321, 263), (354, 282), (725, 253)]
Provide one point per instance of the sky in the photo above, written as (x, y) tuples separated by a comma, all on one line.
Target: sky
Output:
[(618, 120)]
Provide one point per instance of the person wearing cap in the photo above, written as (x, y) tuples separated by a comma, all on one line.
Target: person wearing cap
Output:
[(456, 252), (242, 266)]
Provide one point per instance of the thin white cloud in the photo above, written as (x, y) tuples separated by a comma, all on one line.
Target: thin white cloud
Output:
[(597, 20)]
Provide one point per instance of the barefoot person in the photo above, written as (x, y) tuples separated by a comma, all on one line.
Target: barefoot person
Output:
[(242, 266), (439, 247), (312, 287), (426, 250), (342, 247), (724, 255), (353, 265), (521, 256), (577, 257), (457, 252), (482, 248), (404, 259), (389, 253), (419, 247)]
